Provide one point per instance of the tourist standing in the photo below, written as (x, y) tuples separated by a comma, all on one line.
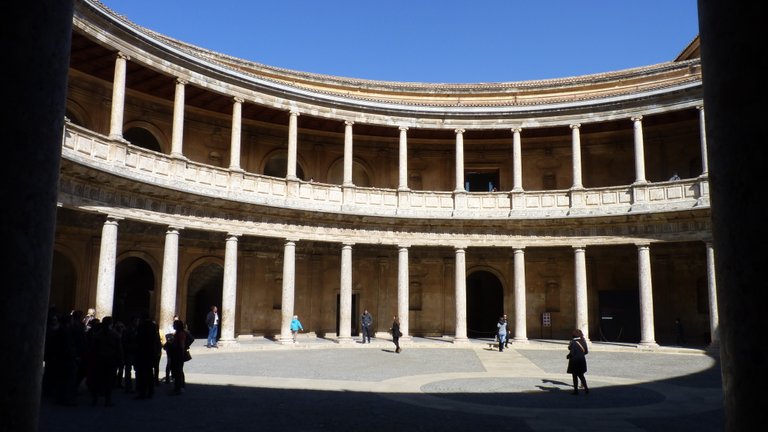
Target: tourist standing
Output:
[(366, 321), (212, 320)]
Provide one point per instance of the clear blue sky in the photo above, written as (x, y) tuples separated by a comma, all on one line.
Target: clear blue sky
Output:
[(436, 41)]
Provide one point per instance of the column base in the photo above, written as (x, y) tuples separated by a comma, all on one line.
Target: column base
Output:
[(345, 340), (519, 341), (227, 343), (648, 344), (460, 340)]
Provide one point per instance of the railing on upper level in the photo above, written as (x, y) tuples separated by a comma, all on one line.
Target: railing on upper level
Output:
[(135, 163)]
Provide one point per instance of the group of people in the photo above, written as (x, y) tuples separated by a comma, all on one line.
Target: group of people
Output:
[(366, 324), (106, 354), (577, 351)]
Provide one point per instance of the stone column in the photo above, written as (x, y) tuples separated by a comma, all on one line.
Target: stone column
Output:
[(105, 282), (576, 146), (714, 318), (234, 147), (731, 36), (36, 53), (521, 326), (118, 98), (647, 332), (169, 284), (460, 286), (289, 288), (293, 136), (348, 153), (460, 160), (580, 279), (345, 295), (403, 160), (403, 285), (517, 161), (703, 141), (229, 291), (177, 134), (637, 125)]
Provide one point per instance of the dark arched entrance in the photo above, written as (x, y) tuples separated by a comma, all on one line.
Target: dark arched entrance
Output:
[(63, 283), (204, 291), (134, 283), (485, 304)]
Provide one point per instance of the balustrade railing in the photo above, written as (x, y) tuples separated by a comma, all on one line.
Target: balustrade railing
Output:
[(123, 159)]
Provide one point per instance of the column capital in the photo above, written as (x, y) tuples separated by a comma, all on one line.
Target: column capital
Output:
[(700, 107), (575, 125), (294, 113), (459, 131), (578, 247), (516, 129), (233, 235), (293, 240), (636, 118), (460, 248), (348, 122), (403, 245), (124, 56), (403, 128), (643, 245), (173, 228), (181, 81), (112, 219), (238, 99)]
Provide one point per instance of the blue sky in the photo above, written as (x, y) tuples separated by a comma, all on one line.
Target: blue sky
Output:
[(435, 41)]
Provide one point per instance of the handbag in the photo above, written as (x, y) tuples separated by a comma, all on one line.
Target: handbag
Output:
[(187, 356)]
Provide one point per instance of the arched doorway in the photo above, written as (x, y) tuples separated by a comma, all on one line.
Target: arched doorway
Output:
[(485, 304), (134, 285), (63, 283), (204, 291), (142, 138)]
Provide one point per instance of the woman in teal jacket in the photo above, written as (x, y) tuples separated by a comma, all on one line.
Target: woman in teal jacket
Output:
[(295, 326)]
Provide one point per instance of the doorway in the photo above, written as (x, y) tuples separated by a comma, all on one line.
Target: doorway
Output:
[(134, 284), (204, 291), (619, 316), (485, 304), (481, 181)]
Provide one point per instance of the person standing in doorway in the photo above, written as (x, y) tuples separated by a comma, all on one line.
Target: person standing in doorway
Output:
[(296, 327), (396, 333), (366, 320), (577, 361), (212, 321), (679, 334)]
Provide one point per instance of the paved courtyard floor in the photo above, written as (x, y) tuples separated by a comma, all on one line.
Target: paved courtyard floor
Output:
[(432, 385)]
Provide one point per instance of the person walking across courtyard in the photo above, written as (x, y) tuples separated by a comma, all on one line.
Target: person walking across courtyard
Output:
[(396, 334), (296, 327), (577, 361)]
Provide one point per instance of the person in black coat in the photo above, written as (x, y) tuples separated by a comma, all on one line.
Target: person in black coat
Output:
[(147, 350), (577, 361), (396, 333)]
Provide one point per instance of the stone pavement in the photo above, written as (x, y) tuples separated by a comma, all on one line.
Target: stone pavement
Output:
[(319, 385)]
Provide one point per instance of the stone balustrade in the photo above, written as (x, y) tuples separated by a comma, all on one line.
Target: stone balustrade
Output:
[(123, 159)]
